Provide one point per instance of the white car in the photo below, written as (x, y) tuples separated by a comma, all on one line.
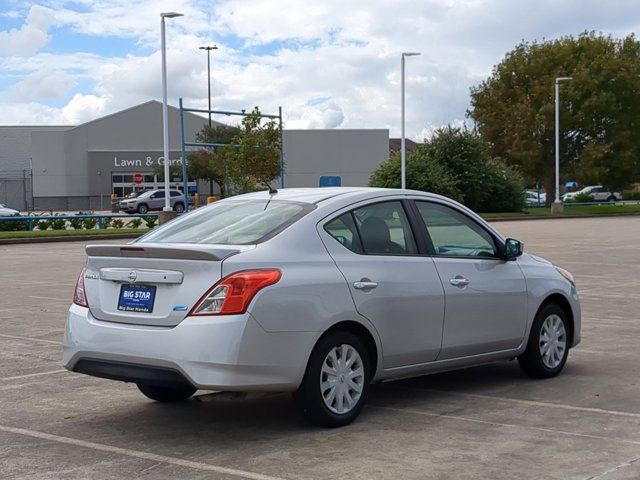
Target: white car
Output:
[(598, 192), (531, 198), (7, 212)]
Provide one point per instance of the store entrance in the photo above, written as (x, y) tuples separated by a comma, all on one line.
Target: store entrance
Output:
[(122, 184)]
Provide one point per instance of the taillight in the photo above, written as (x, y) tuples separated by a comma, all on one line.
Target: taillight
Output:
[(233, 294), (80, 294)]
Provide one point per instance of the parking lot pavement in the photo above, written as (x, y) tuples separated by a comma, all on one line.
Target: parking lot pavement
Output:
[(487, 422)]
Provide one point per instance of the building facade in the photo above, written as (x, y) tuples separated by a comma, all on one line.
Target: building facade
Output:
[(80, 167)]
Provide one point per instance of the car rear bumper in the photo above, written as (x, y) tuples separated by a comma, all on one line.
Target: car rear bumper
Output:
[(214, 353)]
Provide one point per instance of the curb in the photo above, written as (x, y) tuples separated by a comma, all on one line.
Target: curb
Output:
[(69, 238), (560, 217)]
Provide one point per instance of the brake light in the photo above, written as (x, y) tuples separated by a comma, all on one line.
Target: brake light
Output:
[(233, 294), (80, 294)]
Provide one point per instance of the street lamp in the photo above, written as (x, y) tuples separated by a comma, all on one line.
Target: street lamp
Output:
[(208, 49), (165, 122), (557, 204), (403, 153)]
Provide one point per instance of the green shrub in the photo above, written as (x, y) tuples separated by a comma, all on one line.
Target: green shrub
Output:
[(107, 222), (90, 223), (151, 221), (135, 223), (43, 224), (583, 197), (455, 163), (117, 223), (631, 195), (14, 225), (76, 223), (58, 224)]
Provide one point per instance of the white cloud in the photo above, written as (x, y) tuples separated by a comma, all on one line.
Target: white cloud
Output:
[(32, 36), (42, 86), (347, 53)]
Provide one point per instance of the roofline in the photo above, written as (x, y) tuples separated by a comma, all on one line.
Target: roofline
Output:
[(171, 107)]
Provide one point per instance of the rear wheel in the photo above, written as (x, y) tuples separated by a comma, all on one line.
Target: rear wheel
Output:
[(336, 383), (142, 208), (548, 345), (179, 207), (166, 394)]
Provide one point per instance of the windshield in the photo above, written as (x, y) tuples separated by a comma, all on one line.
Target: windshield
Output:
[(231, 222)]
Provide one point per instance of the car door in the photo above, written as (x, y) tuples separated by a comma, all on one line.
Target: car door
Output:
[(485, 295), (156, 201), (394, 285)]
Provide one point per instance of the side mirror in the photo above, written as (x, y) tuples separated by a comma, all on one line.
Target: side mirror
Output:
[(512, 248)]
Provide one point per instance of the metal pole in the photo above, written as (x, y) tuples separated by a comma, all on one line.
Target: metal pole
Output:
[(281, 149), (209, 82), (185, 182), (557, 127), (403, 152), (558, 204), (403, 173), (165, 124)]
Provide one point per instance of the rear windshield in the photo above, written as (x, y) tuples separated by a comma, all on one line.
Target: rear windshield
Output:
[(231, 222)]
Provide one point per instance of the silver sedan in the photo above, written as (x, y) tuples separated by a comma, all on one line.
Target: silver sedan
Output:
[(319, 292)]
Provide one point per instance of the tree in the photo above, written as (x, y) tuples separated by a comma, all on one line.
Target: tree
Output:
[(212, 163), (256, 159), (249, 158), (175, 170), (600, 110), (456, 163)]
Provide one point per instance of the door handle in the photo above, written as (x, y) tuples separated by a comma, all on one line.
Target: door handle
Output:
[(459, 281), (365, 285)]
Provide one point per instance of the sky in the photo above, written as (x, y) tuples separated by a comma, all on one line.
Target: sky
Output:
[(328, 63)]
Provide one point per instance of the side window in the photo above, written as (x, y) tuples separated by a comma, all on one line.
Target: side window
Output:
[(384, 229), (454, 234), (175, 193), (157, 195), (344, 231)]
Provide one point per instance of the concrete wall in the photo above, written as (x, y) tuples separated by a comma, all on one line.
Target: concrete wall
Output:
[(350, 154), (16, 146)]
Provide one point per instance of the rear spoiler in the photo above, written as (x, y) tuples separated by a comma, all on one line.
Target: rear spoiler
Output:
[(169, 252)]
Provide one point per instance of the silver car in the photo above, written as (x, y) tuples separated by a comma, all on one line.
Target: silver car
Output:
[(152, 200), (319, 292)]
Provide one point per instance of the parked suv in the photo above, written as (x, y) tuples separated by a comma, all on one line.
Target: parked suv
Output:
[(152, 200), (598, 192)]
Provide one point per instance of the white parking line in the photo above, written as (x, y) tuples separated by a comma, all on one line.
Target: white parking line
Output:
[(32, 339), (500, 424), (531, 403), (138, 454), (57, 299), (29, 375), (614, 469)]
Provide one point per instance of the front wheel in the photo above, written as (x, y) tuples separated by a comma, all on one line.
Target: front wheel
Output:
[(612, 198), (548, 345), (166, 394), (336, 382)]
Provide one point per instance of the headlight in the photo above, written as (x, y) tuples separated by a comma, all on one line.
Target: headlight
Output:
[(566, 274)]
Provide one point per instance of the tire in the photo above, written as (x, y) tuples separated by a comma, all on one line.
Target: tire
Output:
[(142, 208), (309, 397), (166, 394), (178, 207), (612, 198), (551, 323)]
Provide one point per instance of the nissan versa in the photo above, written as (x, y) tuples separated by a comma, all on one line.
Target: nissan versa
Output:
[(319, 292)]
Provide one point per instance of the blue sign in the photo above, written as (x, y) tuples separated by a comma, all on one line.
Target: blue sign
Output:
[(192, 188), (330, 181)]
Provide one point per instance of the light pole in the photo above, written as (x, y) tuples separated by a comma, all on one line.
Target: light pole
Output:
[(403, 153), (208, 49), (557, 206), (165, 122)]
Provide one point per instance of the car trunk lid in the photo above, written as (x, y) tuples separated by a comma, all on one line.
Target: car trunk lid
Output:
[(169, 278)]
